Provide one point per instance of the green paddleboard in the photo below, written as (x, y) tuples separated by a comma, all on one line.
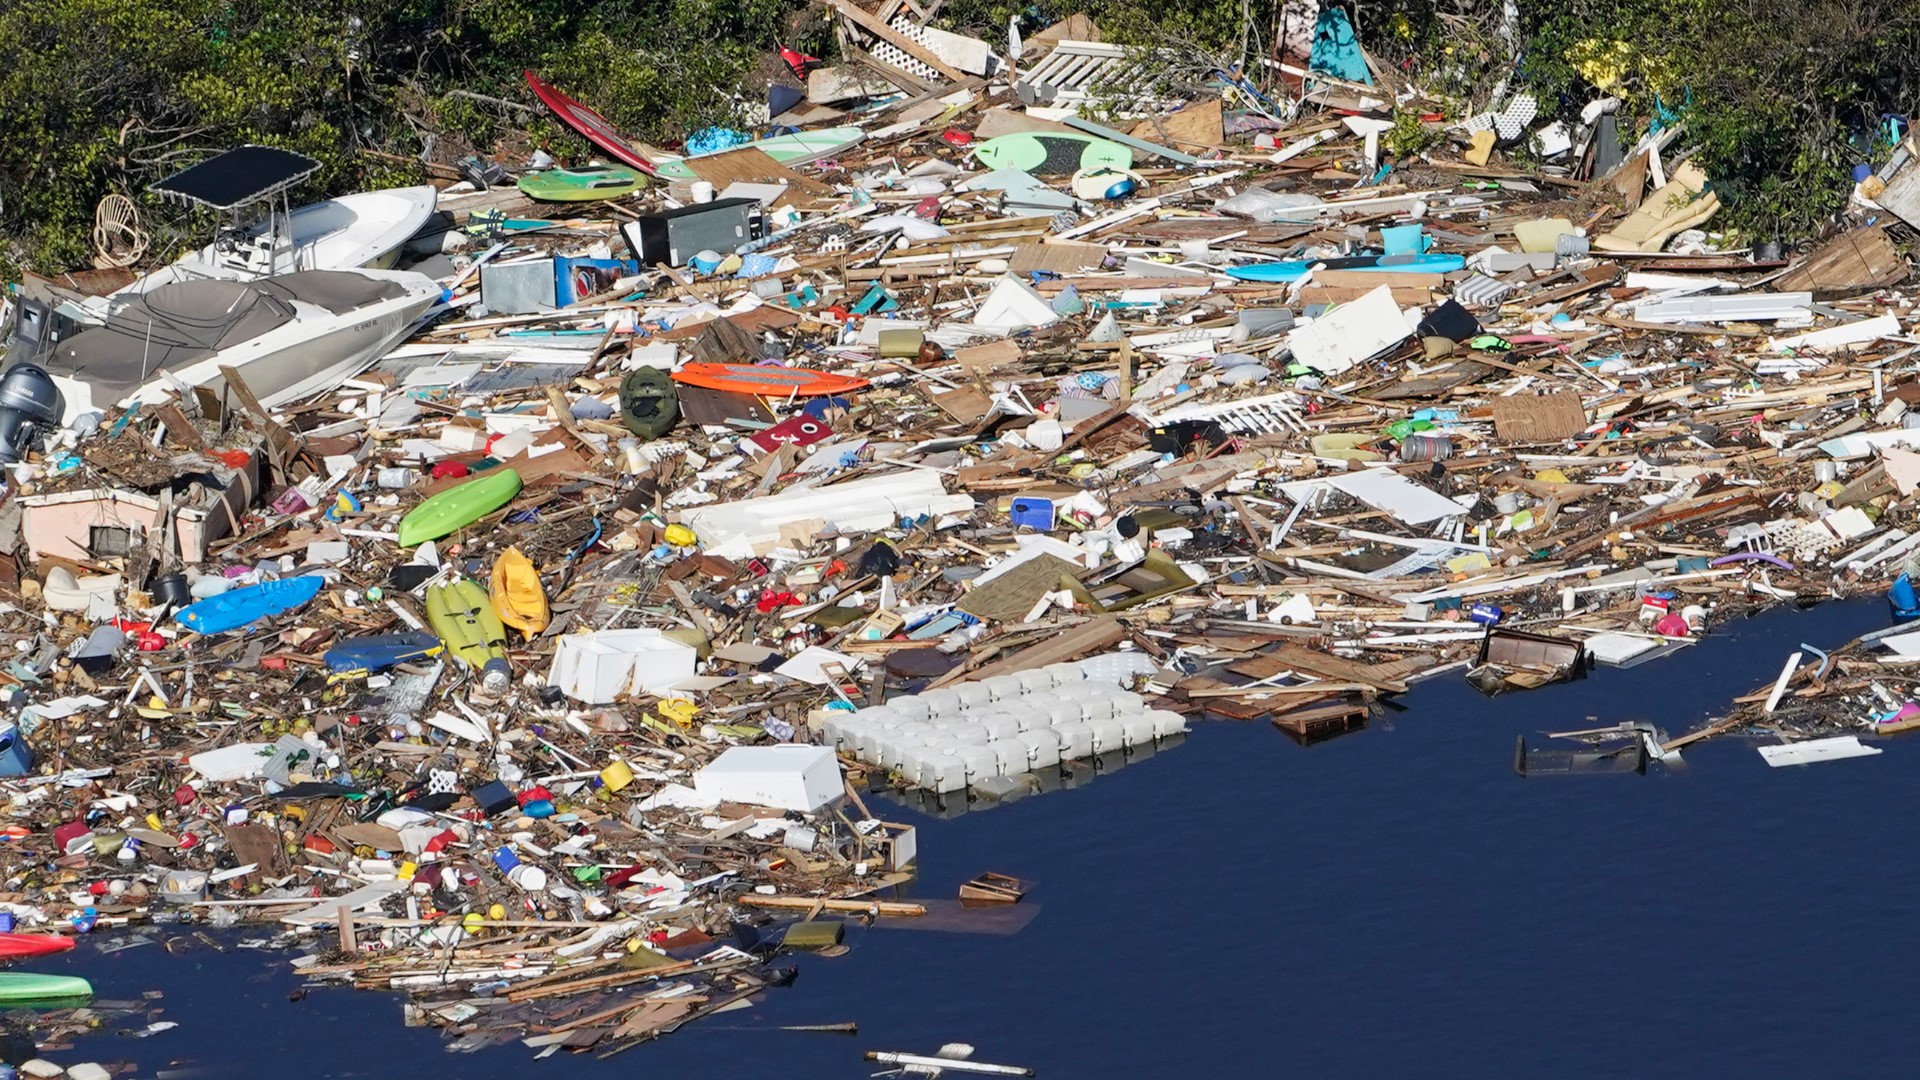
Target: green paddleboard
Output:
[(26, 988), (591, 184), (1052, 153), (458, 507), (798, 148)]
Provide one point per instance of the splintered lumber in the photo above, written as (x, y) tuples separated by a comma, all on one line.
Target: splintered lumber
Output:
[(1314, 662), (850, 907)]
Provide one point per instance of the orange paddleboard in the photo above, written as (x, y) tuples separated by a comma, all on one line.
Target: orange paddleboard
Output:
[(767, 381)]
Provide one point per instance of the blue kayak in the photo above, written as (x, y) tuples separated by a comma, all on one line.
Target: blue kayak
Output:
[(378, 652), (235, 609), (1295, 269)]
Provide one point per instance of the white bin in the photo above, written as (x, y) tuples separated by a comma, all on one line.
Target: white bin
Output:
[(1166, 723), (1043, 748), (980, 762), (1012, 755), (1076, 740)]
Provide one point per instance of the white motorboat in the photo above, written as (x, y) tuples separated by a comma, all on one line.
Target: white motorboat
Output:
[(363, 230), (367, 229), (289, 337)]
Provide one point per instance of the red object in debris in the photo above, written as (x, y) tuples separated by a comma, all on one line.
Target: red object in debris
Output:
[(793, 431), (150, 642), (534, 793), (128, 626), (25, 946), (444, 469), (773, 601), (188, 840), (1672, 624), (957, 137), (274, 663), (233, 459), (798, 62), (97, 888), (67, 833), (838, 313), (318, 844), (440, 842)]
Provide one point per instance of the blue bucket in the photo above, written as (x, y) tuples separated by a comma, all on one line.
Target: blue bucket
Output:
[(16, 757)]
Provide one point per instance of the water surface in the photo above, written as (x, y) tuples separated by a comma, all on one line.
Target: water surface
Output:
[(1392, 903)]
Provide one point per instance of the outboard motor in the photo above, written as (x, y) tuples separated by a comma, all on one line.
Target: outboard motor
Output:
[(30, 408)]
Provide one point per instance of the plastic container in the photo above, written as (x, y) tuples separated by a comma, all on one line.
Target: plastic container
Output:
[(1136, 729), (1109, 734), (979, 762), (1425, 448), (1166, 722), (1012, 755), (1043, 748), (16, 757), (1076, 740), (1000, 726)]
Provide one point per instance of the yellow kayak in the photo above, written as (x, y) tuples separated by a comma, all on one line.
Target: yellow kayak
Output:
[(517, 595)]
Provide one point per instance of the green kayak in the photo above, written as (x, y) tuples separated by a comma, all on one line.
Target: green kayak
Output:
[(591, 184), (458, 507), (26, 988)]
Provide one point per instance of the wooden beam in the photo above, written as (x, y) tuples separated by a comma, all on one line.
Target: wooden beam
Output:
[(895, 38)]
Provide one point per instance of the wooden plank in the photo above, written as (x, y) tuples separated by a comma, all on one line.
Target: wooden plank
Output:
[(895, 38), (1373, 279), (1347, 294), (1091, 636), (1314, 662), (1539, 418), (752, 165), (1861, 259)]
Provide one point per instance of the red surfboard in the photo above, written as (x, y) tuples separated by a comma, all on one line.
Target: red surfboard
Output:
[(595, 128), (767, 381), (25, 946)]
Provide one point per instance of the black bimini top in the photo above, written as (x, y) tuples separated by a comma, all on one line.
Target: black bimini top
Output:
[(242, 175)]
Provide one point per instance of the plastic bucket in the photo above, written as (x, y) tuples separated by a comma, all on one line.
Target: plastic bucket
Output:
[(16, 757)]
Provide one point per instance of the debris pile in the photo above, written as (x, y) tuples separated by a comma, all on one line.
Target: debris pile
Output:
[(526, 629)]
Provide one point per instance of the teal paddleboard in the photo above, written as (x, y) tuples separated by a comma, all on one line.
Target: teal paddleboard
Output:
[(798, 148), (591, 184), (1052, 153), (1295, 269)]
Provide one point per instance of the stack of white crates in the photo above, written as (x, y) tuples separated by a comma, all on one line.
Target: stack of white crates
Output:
[(951, 738)]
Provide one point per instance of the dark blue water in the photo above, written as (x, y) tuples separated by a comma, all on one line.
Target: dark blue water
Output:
[(1393, 903)]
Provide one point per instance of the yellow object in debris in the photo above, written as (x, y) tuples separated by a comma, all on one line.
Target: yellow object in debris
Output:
[(1551, 476), (616, 775), (681, 536), (679, 710), (497, 912), (516, 594), (473, 923), (1603, 63), (1470, 563)]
